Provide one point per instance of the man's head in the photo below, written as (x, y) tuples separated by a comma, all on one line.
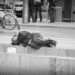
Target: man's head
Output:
[(14, 40)]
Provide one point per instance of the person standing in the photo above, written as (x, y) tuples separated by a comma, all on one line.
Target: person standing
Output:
[(51, 10), (31, 10), (38, 9)]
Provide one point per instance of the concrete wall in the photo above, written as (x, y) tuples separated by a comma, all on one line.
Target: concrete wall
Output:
[(45, 61)]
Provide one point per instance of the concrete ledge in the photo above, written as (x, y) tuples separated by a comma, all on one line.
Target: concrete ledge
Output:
[(43, 51), (55, 24), (45, 61)]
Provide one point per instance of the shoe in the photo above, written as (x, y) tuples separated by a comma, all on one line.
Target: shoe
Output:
[(52, 21), (28, 21), (40, 21), (52, 43), (48, 20), (35, 21)]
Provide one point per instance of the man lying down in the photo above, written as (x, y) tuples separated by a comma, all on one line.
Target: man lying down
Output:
[(34, 40)]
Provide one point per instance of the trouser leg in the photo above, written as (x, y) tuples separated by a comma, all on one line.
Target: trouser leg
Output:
[(36, 12), (33, 14), (51, 14), (40, 13), (29, 14)]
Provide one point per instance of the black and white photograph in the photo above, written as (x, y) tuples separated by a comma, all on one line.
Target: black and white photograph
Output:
[(37, 37)]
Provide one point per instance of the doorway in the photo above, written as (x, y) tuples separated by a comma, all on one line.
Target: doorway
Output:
[(67, 10), (73, 11)]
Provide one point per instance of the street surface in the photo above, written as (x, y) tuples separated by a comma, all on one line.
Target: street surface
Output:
[(63, 35)]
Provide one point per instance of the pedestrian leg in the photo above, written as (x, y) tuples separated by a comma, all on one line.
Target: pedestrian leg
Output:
[(29, 14), (36, 11), (33, 14), (40, 13), (51, 14)]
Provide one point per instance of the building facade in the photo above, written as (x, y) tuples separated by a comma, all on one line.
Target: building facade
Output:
[(68, 8)]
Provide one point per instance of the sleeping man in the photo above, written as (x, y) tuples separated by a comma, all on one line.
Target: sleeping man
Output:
[(34, 40)]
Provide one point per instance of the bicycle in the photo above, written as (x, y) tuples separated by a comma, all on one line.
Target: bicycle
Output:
[(9, 21)]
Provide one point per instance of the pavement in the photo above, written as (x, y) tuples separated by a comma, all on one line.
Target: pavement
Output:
[(45, 23), (41, 24)]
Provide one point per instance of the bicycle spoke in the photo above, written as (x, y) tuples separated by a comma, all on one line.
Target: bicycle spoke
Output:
[(9, 22)]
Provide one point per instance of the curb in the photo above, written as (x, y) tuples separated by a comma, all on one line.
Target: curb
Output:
[(56, 24), (51, 25)]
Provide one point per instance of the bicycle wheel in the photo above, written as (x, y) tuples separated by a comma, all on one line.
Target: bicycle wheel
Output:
[(1, 21), (9, 21)]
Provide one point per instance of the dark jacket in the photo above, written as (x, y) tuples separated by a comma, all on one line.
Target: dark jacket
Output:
[(31, 3)]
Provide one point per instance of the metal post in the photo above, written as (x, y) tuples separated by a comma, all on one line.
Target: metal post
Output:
[(25, 12)]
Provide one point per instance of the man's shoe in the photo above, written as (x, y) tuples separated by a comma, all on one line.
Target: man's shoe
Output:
[(52, 21), (40, 20), (28, 21), (52, 43), (48, 20)]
